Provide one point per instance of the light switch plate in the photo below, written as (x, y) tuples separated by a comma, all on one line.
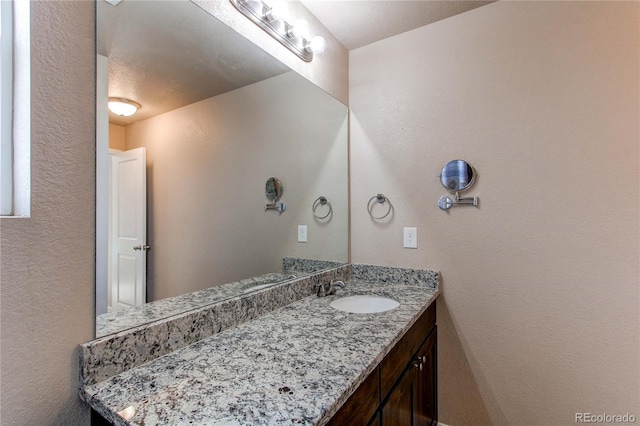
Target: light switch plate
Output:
[(302, 233), (411, 238)]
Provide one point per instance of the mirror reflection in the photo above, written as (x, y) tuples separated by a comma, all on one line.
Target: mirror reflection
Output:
[(457, 175), (273, 189), (217, 114)]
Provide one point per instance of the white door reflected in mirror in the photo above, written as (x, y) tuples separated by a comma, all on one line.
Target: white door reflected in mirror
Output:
[(127, 229)]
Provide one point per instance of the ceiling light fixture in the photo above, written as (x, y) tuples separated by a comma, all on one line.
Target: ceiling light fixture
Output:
[(276, 10), (123, 107), (270, 16)]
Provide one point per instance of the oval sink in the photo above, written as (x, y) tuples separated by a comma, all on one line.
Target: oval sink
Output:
[(364, 304)]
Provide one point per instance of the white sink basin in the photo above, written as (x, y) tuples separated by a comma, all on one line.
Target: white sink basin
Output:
[(364, 304)]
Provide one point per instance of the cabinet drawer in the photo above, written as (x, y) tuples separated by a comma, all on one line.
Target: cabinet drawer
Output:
[(403, 352), (362, 405)]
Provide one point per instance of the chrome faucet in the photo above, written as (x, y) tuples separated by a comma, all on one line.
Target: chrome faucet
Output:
[(327, 289)]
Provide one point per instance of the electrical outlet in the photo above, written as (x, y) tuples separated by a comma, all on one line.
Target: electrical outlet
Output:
[(410, 237), (302, 233)]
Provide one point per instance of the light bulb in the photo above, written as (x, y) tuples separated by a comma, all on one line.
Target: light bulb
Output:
[(300, 28), (277, 10), (316, 45), (123, 107)]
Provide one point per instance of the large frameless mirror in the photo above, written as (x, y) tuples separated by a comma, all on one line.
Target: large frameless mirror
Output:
[(218, 115)]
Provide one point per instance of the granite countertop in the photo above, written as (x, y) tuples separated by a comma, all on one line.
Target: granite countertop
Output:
[(292, 268), (297, 364), (114, 322)]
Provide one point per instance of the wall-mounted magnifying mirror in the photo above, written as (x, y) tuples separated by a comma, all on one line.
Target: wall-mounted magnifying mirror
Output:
[(457, 175), (273, 189)]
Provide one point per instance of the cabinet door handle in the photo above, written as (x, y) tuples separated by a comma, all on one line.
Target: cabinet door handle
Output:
[(418, 366)]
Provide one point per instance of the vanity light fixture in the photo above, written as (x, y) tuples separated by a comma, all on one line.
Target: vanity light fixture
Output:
[(271, 16), (123, 107)]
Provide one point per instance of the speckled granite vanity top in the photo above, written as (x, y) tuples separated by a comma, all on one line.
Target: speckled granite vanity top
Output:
[(114, 322), (297, 364)]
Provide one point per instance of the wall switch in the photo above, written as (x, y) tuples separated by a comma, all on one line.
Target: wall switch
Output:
[(302, 233), (410, 237)]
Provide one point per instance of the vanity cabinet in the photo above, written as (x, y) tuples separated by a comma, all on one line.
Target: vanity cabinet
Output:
[(413, 399), (407, 389), (362, 405)]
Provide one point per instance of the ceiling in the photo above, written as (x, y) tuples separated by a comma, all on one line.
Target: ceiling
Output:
[(168, 54), (356, 23)]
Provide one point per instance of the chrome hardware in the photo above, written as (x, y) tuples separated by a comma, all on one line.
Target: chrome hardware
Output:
[(273, 189), (275, 27), (380, 199), (327, 289), (445, 203), (457, 176), (143, 248), (418, 366), (334, 285), (281, 206), (321, 201)]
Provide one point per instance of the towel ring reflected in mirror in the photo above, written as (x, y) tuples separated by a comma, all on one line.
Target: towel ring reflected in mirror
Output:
[(321, 201)]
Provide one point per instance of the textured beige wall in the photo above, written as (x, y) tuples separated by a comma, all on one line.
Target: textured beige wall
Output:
[(117, 137), (47, 274), (328, 70), (539, 317), (207, 164)]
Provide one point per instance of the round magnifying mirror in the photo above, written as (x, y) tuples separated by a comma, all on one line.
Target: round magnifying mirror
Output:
[(273, 189), (457, 175)]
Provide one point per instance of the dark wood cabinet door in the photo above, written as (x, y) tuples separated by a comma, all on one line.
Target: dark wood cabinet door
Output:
[(404, 351), (425, 409), (361, 406), (375, 421), (405, 381), (399, 408), (98, 420)]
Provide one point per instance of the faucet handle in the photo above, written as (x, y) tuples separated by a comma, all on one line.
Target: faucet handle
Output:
[(334, 285), (337, 283), (329, 288)]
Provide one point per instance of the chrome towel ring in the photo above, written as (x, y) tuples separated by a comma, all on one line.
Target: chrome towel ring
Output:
[(321, 201), (379, 198)]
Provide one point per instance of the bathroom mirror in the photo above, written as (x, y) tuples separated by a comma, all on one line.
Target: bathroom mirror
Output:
[(457, 176), (218, 115), (273, 189)]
